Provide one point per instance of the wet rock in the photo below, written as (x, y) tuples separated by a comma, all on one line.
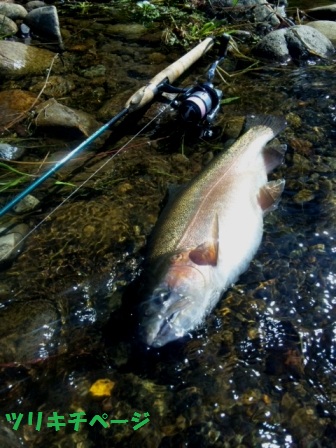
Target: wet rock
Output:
[(113, 106), (34, 4), (232, 127), (44, 22), (11, 241), (327, 12), (24, 30), (326, 27), (7, 26), (27, 204), (264, 12), (304, 41), (18, 59), (14, 103), (296, 42), (53, 114), (9, 152), (13, 11), (274, 46)]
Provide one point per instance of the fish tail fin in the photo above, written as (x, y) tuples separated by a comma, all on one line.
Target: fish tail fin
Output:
[(276, 122)]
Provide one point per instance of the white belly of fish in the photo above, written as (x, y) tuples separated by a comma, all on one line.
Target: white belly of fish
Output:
[(240, 234)]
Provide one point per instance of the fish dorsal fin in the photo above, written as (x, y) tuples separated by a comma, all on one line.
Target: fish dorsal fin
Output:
[(269, 195), (207, 252), (273, 156)]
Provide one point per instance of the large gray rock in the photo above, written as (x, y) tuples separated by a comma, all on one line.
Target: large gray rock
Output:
[(17, 59), (44, 22), (13, 11), (296, 42), (274, 46), (326, 27)]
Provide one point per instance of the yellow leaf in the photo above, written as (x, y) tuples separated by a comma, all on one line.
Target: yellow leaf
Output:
[(102, 388)]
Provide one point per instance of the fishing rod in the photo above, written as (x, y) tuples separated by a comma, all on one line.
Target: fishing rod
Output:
[(198, 104)]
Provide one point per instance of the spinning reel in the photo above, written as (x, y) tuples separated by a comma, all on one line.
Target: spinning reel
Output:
[(197, 106)]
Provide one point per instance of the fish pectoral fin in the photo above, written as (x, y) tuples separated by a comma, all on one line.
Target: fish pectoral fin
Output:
[(273, 156), (207, 252), (269, 195)]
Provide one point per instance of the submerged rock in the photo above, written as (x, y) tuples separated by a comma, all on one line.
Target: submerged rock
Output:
[(56, 87), (296, 42), (14, 103), (131, 31), (18, 59)]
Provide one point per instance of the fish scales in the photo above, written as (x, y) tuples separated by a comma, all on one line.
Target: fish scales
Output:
[(168, 238), (206, 237)]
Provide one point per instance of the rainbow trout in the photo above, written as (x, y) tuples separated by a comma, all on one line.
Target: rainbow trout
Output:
[(207, 236)]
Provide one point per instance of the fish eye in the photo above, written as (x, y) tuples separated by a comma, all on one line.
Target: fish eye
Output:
[(162, 296)]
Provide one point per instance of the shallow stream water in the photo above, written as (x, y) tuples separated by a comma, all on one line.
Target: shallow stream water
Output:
[(261, 372)]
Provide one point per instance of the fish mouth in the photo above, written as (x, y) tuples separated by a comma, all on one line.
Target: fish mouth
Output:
[(167, 332), (166, 321)]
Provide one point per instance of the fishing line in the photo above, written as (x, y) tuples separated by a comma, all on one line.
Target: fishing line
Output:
[(91, 176), (198, 104)]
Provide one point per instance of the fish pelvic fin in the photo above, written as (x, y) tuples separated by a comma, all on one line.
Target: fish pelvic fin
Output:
[(269, 195), (207, 252), (273, 156)]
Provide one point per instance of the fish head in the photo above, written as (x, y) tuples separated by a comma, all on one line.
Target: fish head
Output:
[(174, 306)]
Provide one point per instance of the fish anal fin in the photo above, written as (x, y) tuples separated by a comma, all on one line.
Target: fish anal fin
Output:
[(269, 195), (273, 156), (207, 252)]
